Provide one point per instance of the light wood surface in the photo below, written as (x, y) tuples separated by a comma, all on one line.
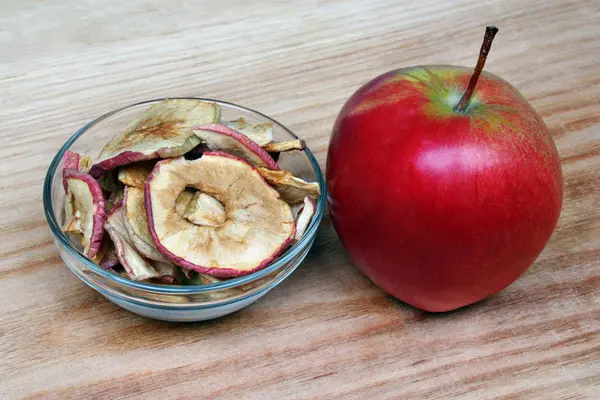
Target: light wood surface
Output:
[(326, 332)]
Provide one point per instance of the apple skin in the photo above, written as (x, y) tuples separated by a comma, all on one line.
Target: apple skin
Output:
[(438, 208)]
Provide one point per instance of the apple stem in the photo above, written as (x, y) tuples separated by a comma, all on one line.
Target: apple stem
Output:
[(488, 38)]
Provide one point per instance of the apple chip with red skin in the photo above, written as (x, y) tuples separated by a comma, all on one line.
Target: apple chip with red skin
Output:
[(293, 190), (262, 135), (136, 224), (136, 266), (84, 210), (221, 138), (75, 161), (258, 225), (162, 131)]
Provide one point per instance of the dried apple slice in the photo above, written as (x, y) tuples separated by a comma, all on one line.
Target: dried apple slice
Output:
[(258, 224), (221, 138), (135, 265), (136, 223), (135, 174), (75, 161), (276, 148), (293, 190), (84, 210), (288, 145), (102, 250), (261, 134), (304, 216), (163, 130)]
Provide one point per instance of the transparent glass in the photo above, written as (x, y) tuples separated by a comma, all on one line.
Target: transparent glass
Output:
[(173, 302)]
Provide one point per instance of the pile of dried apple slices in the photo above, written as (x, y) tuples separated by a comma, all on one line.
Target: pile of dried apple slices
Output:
[(180, 197)]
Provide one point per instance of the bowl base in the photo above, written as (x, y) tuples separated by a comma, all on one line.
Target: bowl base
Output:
[(183, 315)]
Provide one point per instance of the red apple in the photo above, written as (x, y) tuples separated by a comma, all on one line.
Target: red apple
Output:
[(444, 186)]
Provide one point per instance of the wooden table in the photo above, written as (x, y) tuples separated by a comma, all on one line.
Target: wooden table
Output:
[(326, 332)]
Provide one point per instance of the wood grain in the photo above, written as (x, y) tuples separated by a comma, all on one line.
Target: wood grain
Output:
[(326, 332)]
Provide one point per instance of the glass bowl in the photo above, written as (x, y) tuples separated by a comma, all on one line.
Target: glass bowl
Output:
[(176, 302)]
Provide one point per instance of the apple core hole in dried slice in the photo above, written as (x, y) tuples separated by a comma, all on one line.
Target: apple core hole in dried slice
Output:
[(183, 200), (205, 210)]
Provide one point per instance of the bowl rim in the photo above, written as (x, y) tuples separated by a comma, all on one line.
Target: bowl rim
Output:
[(280, 262)]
